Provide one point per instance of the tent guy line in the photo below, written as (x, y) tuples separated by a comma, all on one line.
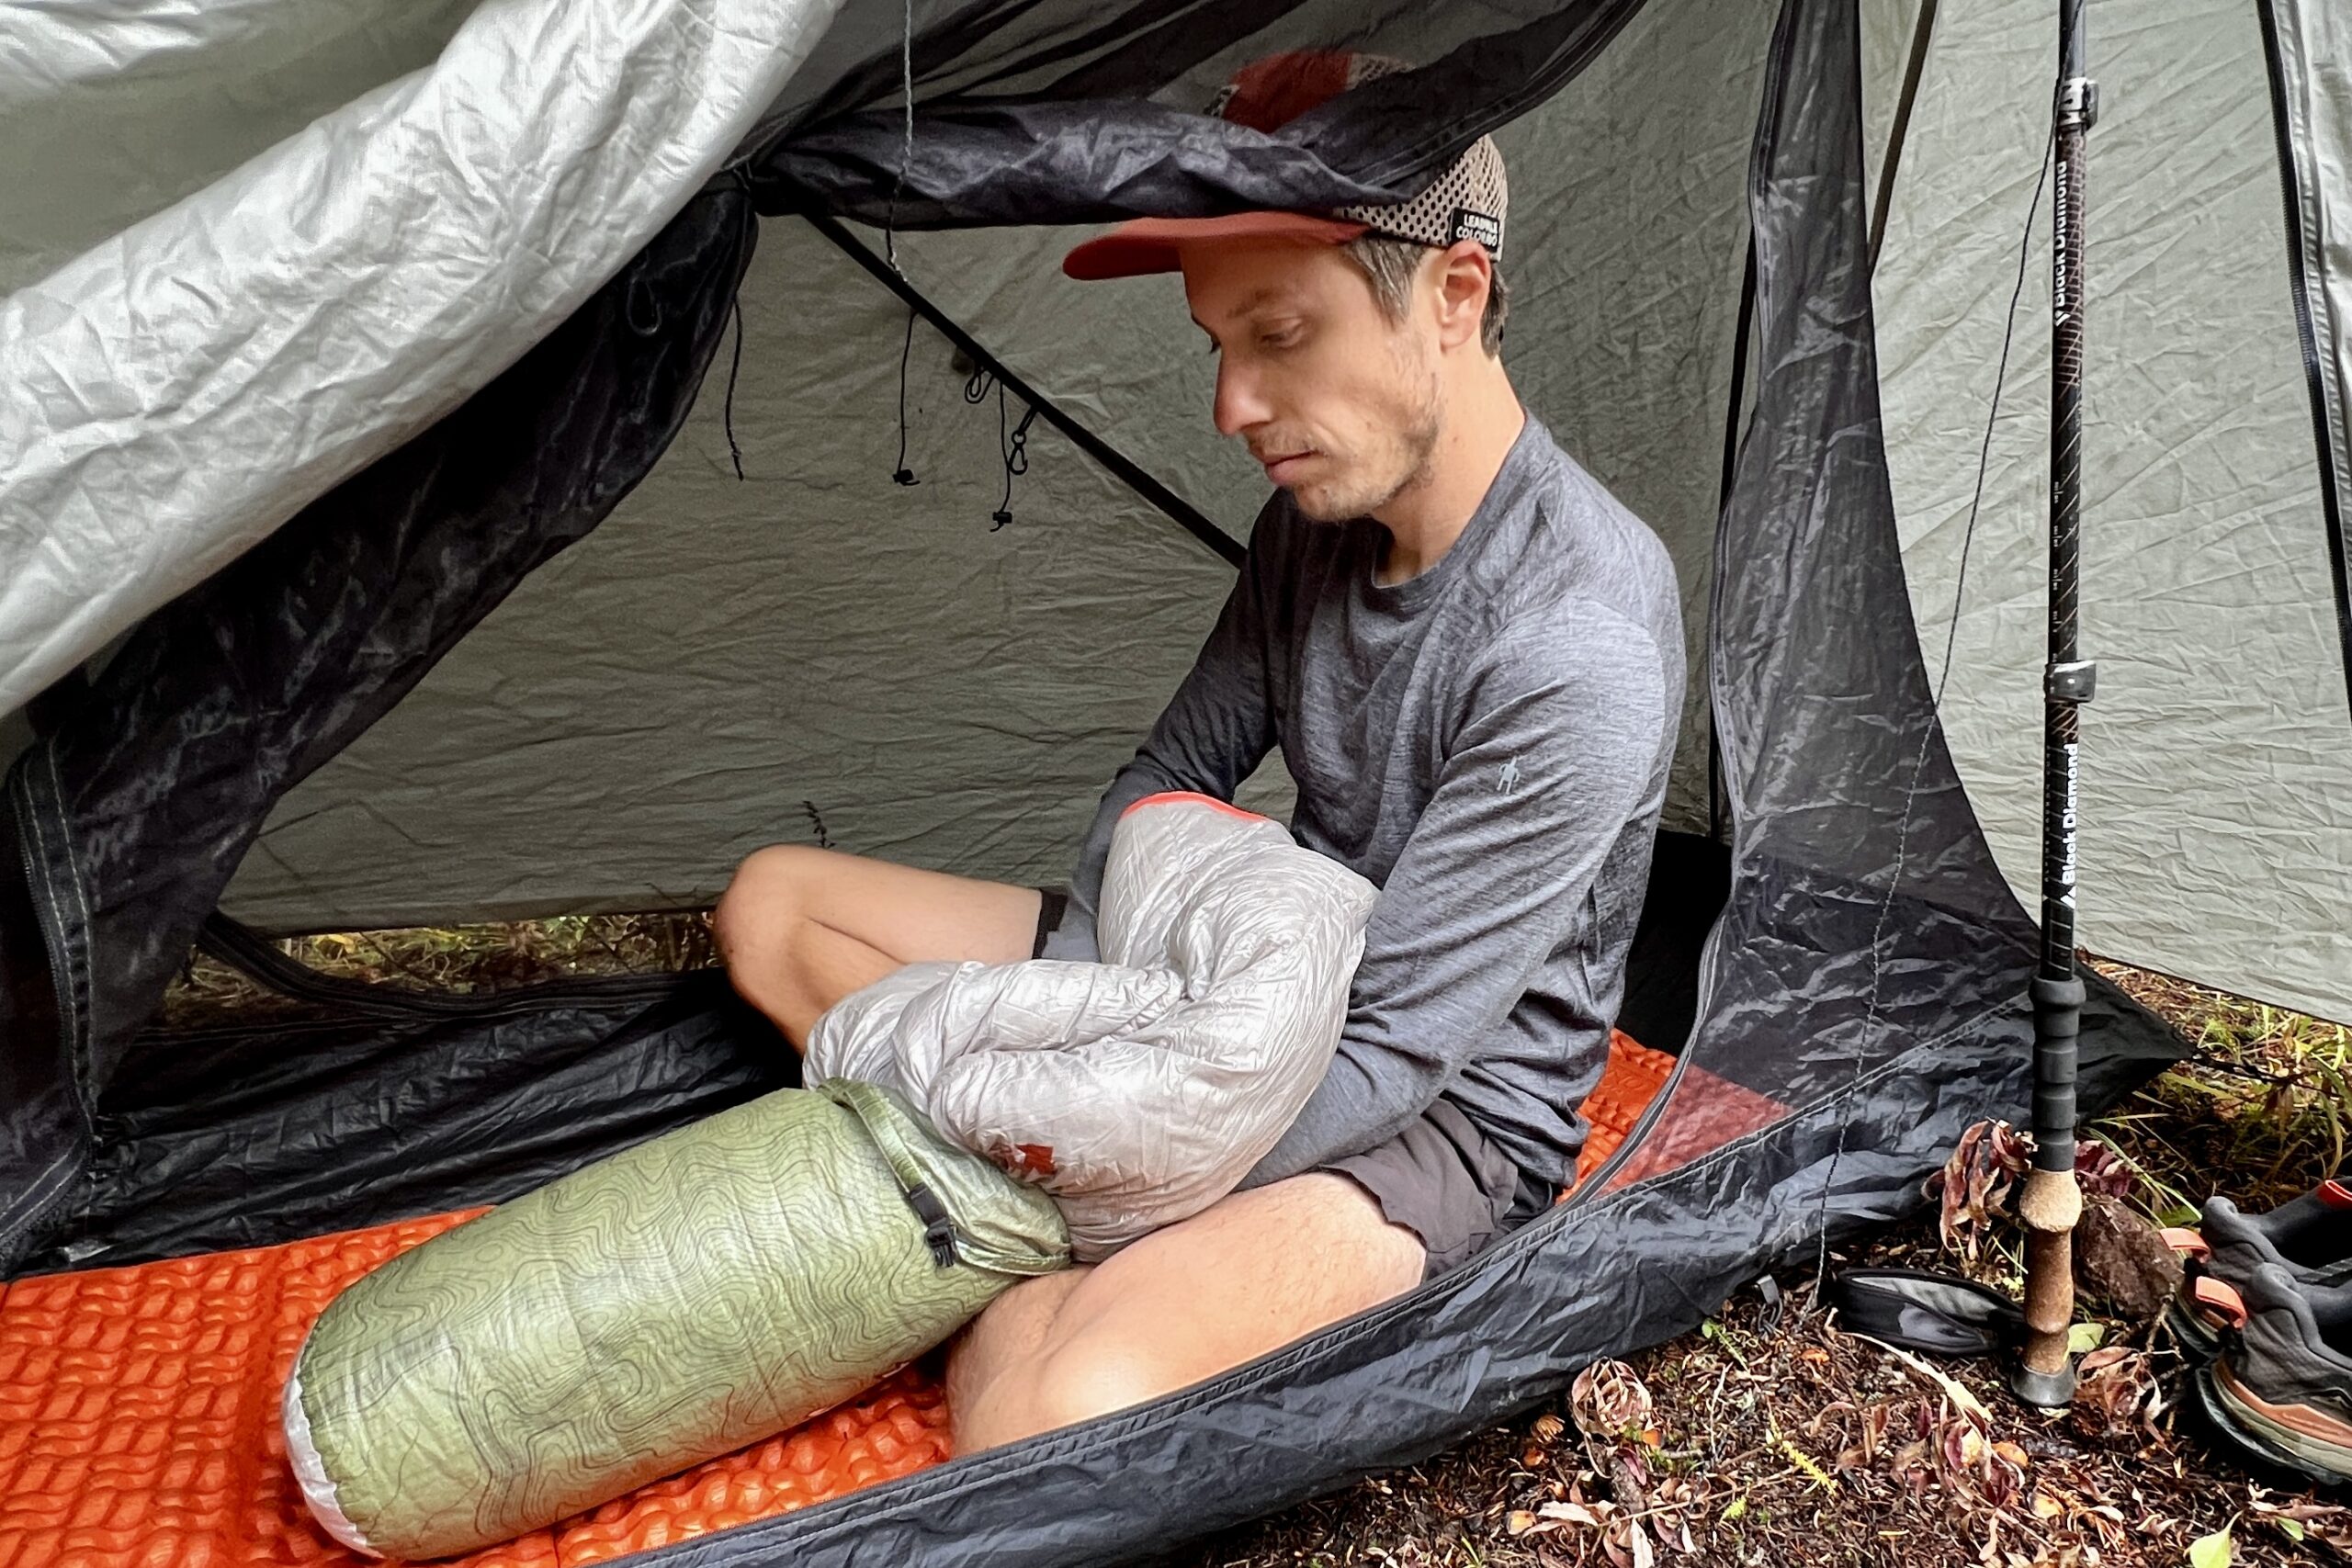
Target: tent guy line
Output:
[(1122, 467)]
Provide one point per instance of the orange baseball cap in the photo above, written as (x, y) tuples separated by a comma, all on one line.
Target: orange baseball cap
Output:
[(1466, 201)]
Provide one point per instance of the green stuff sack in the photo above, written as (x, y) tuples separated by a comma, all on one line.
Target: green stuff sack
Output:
[(699, 1292)]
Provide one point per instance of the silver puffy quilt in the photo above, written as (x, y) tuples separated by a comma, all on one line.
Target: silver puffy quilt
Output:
[(1141, 1090)]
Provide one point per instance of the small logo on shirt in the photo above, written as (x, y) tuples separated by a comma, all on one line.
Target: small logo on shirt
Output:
[(1507, 781)]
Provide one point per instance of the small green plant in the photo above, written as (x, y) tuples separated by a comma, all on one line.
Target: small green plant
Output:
[(2259, 1110)]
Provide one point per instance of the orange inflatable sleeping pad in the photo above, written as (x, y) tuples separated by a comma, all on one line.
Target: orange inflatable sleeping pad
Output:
[(139, 1410)]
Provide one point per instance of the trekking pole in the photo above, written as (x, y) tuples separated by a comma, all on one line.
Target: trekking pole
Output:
[(2053, 1201)]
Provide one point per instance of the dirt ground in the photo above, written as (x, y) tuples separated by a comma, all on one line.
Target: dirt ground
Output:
[(1776, 1440), (1768, 1438)]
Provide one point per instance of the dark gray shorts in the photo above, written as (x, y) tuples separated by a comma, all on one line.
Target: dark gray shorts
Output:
[(1052, 904), (1441, 1179)]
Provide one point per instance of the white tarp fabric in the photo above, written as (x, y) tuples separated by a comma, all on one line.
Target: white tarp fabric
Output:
[(2217, 759), (816, 655), (1141, 1089), (111, 110), (340, 291)]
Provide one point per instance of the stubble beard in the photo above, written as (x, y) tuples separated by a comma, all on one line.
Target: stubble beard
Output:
[(1400, 463)]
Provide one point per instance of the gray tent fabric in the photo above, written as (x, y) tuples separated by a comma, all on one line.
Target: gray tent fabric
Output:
[(2217, 761), (118, 830), (452, 217), (722, 665), (812, 654), (817, 655), (653, 747), (2309, 48)]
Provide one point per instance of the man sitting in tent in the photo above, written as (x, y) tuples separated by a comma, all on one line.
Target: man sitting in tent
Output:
[(1471, 657)]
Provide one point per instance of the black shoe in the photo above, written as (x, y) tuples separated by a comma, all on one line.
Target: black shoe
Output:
[(2282, 1389), (2311, 1237)]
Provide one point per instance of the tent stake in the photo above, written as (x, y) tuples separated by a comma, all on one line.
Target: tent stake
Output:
[(2052, 1201)]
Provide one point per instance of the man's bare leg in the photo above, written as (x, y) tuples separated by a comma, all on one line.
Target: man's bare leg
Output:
[(1253, 1272), (802, 927)]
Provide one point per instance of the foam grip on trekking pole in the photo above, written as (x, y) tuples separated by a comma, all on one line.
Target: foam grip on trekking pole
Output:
[(703, 1291)]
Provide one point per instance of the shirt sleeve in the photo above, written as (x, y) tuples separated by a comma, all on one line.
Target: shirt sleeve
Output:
[(1558, 752), (1212, 733)]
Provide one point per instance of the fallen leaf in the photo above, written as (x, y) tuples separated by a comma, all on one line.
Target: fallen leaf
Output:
[(1609, 1397), (2085, 1337), (1967, 1404), (2211, 1551), (1519, 1521)]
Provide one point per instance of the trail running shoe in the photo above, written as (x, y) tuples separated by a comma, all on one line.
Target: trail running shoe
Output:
[(2281, 1391), (2311, 1237)]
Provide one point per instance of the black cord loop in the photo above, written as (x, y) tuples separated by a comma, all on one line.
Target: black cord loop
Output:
[(734, 371), (1015, 448), (901, 474)]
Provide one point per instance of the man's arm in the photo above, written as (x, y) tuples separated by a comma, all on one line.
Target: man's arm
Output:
[(1215, 731), (1555, 758)]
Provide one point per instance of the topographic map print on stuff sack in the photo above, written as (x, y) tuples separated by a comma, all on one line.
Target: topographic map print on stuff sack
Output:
[(702, 1290), (1141, 1090)]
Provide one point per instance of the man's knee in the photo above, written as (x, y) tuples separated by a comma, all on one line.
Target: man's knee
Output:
[(1094, 1375), (766, 896), (1253, 1272), (998, 1398)]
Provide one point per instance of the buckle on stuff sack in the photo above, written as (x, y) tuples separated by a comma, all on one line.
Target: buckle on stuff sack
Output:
[(938, 1230)]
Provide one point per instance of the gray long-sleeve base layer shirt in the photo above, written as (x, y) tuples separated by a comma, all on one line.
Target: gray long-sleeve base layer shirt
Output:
[(1487, 743)]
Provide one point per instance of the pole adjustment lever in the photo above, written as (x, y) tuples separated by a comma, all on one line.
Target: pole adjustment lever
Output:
[(2076, 681)]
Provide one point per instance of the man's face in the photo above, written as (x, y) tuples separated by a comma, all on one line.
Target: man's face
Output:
[(1340, 403)]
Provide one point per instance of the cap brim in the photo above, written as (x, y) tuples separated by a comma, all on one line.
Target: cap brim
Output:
[(1148, 244)]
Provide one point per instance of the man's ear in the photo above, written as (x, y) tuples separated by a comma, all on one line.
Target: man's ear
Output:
[(1466, 275)]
